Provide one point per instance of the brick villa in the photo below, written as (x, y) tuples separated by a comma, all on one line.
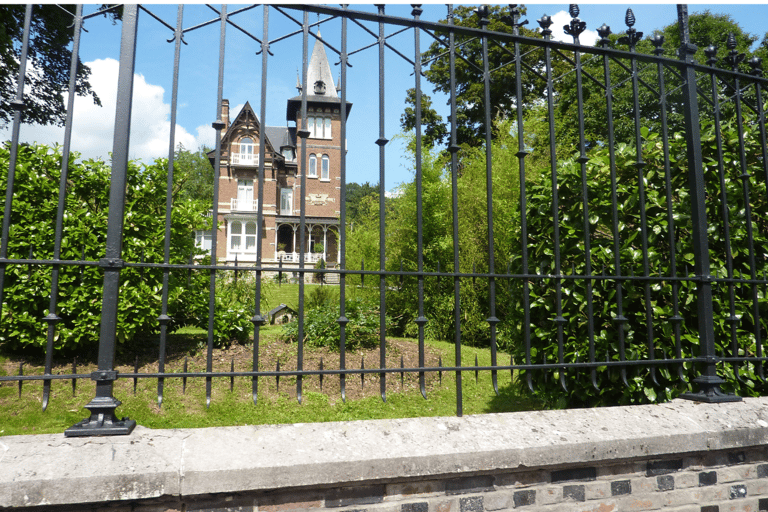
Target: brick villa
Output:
[(238, 197)]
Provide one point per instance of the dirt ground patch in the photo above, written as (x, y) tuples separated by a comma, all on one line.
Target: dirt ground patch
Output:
[(274, 355)]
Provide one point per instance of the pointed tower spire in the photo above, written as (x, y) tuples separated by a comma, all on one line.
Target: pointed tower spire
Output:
[(319, 77), (298, 81)]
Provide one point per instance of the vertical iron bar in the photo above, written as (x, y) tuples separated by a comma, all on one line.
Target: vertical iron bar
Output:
[(52, 318), (745, 176), (218, 125), (343, 320), (258, 319), (732, 319), (382, 224), (18, 105), (709, 382), (755, 63), (103, 420), (620, 320), (582, 160), (164, 319), (303, 133), (454, 148), (421, 320), (492, 320), (676, 319), (545, 23), (631, 38), (521, 154)]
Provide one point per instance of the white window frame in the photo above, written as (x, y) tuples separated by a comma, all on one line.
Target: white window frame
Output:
[(245, 194), (234, 236), (325, 172), (250, 237), (204, 240), (319, 127), (286, 193), (312, 166)]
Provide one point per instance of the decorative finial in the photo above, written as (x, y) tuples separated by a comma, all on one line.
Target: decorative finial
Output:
[(576, 27), (417, 10), (545, 22), (482, 13), (711, 53), (734, 58), (604, 32), (629, 19), (756, 63), (513, 20), (298, 82), (633, 36), (658, 41)]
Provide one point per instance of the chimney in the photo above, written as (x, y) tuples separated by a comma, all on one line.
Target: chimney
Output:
[(225, 114)]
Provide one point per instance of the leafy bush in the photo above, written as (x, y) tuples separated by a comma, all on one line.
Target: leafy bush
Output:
[(319, 277), (650, 306), (234, 306), (321, 326), (27, 289)]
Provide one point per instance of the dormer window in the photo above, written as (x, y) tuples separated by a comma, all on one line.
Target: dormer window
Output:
[(320, 87), (289, 155)]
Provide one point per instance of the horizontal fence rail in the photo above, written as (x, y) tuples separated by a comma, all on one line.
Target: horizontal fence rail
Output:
[(599, 222)]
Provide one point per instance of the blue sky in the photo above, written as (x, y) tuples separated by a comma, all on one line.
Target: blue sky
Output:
[(199, 69)]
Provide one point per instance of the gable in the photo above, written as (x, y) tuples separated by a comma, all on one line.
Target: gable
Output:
[(247, 124)]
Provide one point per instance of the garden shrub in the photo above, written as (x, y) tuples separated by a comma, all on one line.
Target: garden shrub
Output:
[(321, 326), (650, 305), (27, 288)]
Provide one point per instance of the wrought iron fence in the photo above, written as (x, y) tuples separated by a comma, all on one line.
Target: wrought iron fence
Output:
[(638, 217)]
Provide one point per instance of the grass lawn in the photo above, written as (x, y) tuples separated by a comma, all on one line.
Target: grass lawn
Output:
[(276, 401)]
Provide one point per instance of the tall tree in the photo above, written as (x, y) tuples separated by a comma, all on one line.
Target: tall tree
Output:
[(469, 71), (434, 129), (48, 68), (194, 174)]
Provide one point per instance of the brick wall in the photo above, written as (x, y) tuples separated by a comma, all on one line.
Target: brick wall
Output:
[(724, 481)]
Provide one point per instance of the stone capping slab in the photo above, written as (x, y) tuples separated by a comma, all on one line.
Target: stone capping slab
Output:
[(53, 470)]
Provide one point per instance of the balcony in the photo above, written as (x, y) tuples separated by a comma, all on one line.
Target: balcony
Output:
[(243, 205), (293, 257), (245, 159)]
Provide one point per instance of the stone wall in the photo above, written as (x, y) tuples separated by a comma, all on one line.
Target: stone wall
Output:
[(681, 457)]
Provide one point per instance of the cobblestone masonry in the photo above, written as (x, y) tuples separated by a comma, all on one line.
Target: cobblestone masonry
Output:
[(606, 479)]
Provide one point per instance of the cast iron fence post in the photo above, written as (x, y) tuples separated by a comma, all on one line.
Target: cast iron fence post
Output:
[(709, 382), (103, 421)]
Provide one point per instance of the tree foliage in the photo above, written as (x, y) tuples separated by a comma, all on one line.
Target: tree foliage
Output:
[(48, 66), (193, 175)]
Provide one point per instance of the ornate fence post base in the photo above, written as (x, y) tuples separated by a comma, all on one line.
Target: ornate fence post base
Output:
[(710, 392), (103, 421)]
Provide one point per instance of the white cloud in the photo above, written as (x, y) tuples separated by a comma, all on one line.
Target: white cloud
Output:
[(93, 126), (562, 18)]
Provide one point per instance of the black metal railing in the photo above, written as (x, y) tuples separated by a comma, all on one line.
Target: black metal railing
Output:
[(638, 218)]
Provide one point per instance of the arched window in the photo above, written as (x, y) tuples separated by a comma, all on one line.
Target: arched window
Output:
[(325, 171), (312, 173), (235, 232), (246, 152)]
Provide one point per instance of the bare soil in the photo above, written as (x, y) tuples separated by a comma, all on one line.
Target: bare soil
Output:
[(273, 355)]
